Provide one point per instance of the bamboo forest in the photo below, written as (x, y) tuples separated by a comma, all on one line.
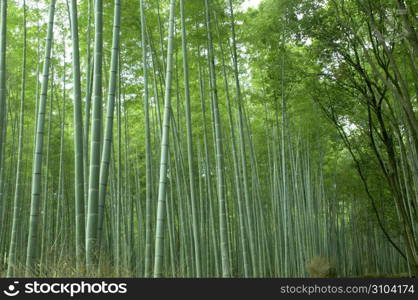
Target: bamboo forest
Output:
[(209, 138)]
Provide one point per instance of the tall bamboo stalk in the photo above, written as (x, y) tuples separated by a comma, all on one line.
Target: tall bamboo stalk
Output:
[(93, 200), (219, 151), (148, 154), (159, 233), (3, 92), (11, 265), (108, 135), (89, 75), (37, 160), (194, 201), (78, 142)]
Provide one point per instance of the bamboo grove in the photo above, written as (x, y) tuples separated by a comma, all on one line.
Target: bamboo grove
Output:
[(206, 138)]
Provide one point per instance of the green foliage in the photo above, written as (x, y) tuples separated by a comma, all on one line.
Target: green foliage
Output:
[(331, 173)]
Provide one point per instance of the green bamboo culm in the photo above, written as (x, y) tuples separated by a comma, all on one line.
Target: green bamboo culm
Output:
[(193, 200), (37, 159), (11, 264), (3, 92), (237, 177), (247, 197), (223, 220), (159, 233), (3, 115), (93, 198), (86, 127), (78, 142), (148, 166), (108, 134)]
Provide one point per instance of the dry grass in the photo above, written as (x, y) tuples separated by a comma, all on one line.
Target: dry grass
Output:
[(318, 267), (66, 268), (381, 275), (321, 267)]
